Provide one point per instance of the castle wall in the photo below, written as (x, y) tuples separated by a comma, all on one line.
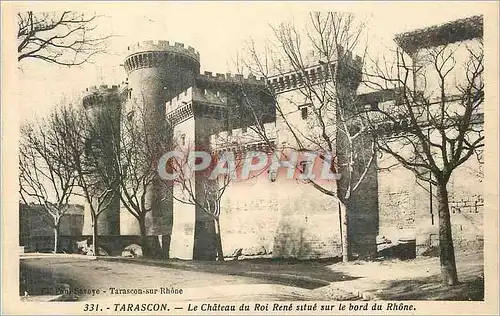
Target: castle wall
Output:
[(197, 114), (108, 222), (467, 202), (287, 218), (408, 207), (405, 206), (204, 247), (129, 225), (102, 105), (193, 229), (364, 216), (301, 117), (181, 245), (427, 77)]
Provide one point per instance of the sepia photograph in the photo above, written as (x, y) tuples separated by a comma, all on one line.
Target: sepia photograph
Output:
[(249, 158)]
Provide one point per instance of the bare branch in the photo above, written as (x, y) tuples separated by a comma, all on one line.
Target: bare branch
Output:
[(66, 38)]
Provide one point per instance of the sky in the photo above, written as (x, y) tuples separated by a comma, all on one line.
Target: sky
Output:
[(218, 30)]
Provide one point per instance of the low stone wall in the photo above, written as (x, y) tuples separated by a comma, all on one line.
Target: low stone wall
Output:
[(113, 245)]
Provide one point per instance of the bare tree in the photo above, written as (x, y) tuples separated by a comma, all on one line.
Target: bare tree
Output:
[(317, 66), (202, 189), (136, 164), (88, 158), (67, 38), (436, 123), (43, 176)]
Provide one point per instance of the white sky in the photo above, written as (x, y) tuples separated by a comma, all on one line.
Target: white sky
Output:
[(217, 30)]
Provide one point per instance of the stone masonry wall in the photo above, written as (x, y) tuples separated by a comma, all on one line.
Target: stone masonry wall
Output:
[(405, 205), (287, 218)]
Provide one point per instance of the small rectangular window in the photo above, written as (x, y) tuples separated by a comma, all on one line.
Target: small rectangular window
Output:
[(303, 112), (304, 167)]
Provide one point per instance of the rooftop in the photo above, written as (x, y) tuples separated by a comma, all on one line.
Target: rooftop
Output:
[(447, 33)]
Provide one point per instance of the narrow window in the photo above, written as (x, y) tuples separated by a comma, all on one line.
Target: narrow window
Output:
[(303, 112), (130, 116), (304, 167)]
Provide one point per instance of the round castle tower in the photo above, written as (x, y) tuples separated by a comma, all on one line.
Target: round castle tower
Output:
[(157, 72), (103, 106)]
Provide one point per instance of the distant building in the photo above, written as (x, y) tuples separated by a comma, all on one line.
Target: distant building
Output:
[(36, 232)]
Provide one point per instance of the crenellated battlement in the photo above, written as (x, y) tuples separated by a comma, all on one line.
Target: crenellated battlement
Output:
[(97, 95), (347, 58), (322, 72), (163, 46), (206, 103), (151, 54), (293, 80), (102, 89), (230, 78), (181, 99)]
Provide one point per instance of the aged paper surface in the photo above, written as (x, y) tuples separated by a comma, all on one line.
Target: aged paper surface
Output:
[(392, 107)]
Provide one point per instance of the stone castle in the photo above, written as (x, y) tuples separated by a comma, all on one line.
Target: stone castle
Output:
[(280, 218)]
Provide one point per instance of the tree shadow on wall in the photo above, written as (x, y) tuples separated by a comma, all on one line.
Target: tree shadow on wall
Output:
[(290, 242)]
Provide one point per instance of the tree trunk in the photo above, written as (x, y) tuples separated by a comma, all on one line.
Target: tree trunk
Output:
[(220, 253), (56, 237), (344, 228), (94, 236), (446, 250), (144, 239)]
